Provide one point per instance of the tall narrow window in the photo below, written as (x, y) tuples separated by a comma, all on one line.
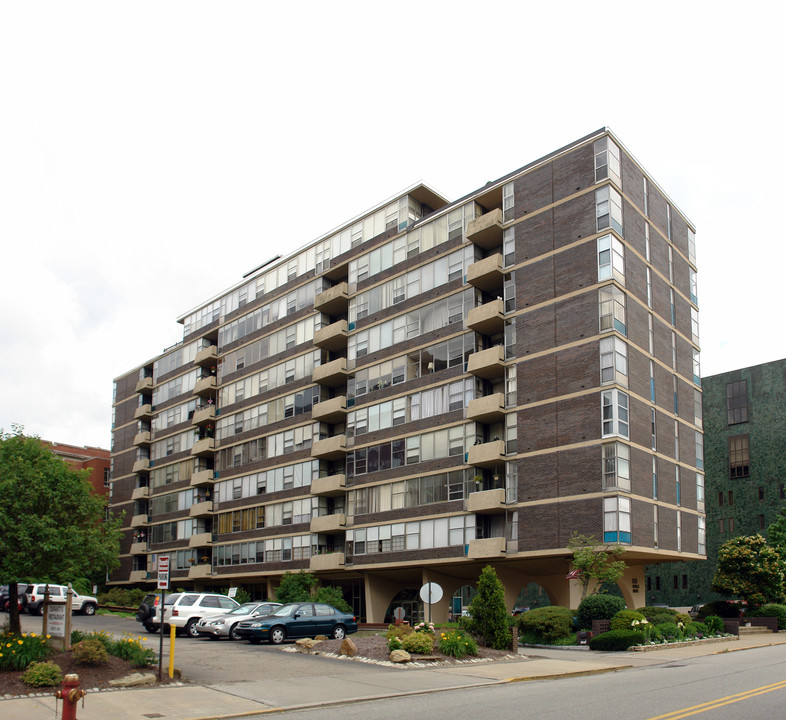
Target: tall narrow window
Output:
[(651, 333), (646, 198), (673, 350), (616, 467), (668, 221), (616, 520), (611, 259), (611, 302), (699, 450), (647, 248), (655, 525), (615, 413), (671, 264), (700, 492), (737, 402), (694, 286), (677, 486), (702, 539), (654, 478), (608, 209), (652, 381), (698, 413), (739, 456), (672, 307), (649, 287), (607, 161), (679, 531), (613, 361), (696, 367), (694, 325), (676, 440), (676, 396), (507, 202), (653, 429)]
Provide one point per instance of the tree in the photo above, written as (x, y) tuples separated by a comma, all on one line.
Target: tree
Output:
[(303, 586), (52, 527), (750, 569), (488, 612), (591, 561), (776, 534)]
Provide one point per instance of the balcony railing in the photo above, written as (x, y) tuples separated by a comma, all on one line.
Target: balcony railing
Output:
[(332, 337), (487, 319), (326, 561), (331, 374), (331, 486), (486, 547), (488, 364), (487, 409), (486, 230), (333, 301), (487, 455), (332, 448), (327, 524), (487, 274), (333, 410)]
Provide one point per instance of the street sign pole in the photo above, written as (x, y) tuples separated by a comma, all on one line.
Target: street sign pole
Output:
[(163, 585)]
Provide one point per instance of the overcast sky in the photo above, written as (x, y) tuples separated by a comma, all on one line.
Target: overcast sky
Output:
[(139, 141)]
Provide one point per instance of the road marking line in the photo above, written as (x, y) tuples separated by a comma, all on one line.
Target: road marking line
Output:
[(720, 702)]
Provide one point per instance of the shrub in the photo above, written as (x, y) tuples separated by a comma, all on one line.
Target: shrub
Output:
[(488, 611), (101, 636), (668, 630), (696, 629), (714, 624), (18, 651), (42, 674), (418, 642), (770, 610), (547, 624), (721, 608), (616, 640), (657, 610), (598, 607), (130, 648), (394, 643), (457, 644), (624, 618), (398, 631), (90, 652)]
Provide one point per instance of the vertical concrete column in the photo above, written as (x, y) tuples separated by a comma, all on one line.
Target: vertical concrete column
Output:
[(632, 586), (379, 594)]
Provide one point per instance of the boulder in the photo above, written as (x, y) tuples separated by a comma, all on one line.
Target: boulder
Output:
[(348, 648), (134, 680), (306, 643), (400, 656)]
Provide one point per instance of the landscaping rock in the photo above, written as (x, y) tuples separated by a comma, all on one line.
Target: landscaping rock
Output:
[(400, 656), (134, 680), (348, 648)]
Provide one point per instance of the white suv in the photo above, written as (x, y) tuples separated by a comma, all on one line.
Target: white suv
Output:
[(83, 604), (184, 610)]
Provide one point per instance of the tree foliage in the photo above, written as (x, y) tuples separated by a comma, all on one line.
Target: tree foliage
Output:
[(303, 586), (52, 526), (750, 569), (594, 561), (776, 533), (488, 611)]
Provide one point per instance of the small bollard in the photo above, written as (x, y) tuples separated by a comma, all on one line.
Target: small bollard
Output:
[(70, 693)]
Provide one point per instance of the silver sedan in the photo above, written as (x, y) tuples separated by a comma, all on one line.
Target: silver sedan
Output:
[(218, 626)]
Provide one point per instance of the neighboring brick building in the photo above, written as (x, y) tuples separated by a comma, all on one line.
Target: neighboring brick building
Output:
[(86, 458), (744, 431), (429, 389)]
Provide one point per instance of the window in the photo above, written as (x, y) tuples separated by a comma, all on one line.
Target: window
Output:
[(653, 429), (507, 202), (646, 205), (694, 325), (696, 368), (652, 381), (699, 450), (616, 467), (702, 536), (608, 209), (607, 161), (691, 247), (700, 492), (611, 301), (761, 522), (761, 493), (613, 361), (737, 402), (614, 413), (611, 259), (649, 288), (739, 456), (616, 520), (731, 498), (693, 284), (654, 478)]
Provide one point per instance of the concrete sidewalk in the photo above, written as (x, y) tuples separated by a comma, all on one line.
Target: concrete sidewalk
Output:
[(370, 681)]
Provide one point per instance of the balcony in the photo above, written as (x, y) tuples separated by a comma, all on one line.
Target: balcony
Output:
[(332, 448), (144, 385), (486, 231), (202, 477), (203, 447), (206, 356), (200, 540), (486, 547), (331, 486), (138, 548), (486, 502), (488, 364), (137, 576), (204, 416), (329, 524), (140, 520), (140, 493), (200, 572), (487, 455), (333, 301), (205, 385), (332, 337), (487, 319), (330, 411), (142, 438), (331, 374), (142, 465), (327, 561), (201, 509), (144, 412), (487, 409), (487, 274)]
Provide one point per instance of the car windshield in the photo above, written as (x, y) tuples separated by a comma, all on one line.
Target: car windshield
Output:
[(246, 609), (285, 611)]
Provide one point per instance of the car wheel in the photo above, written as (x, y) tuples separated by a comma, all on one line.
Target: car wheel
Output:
[(339, 632), (191, 628), (233, 633), (255, 641), (143, 613), (277, 635), (151, 628), (89, 609)]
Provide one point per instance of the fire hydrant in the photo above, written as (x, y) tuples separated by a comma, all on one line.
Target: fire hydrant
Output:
[(70, 693)]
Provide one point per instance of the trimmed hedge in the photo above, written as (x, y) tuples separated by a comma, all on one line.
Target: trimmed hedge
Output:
[(546, 624), (721, 608), (623, 620), (770, 610), (616, 640), (598, 607)]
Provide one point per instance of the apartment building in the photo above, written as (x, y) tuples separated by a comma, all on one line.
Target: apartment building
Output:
[(744, 428), (431, 388), (94, 459)]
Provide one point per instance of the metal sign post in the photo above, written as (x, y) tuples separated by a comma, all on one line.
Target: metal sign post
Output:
[(163, 586)]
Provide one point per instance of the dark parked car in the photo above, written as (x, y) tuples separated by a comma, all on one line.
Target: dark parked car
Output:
[(21, 589), (298, 620), (218, 626)]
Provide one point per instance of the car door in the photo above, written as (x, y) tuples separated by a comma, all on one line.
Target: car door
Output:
[(304, 624), (325, 619)]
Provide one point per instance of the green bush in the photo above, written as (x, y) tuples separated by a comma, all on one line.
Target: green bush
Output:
[(616, 640), (669, 630), (598, 607), (624, 618), (42, 674), (101, 636), (714, 624), (418, 642), (18, 651), (721, 608), (398, 631), (489, 615), (121, 597), (130, 648), (395, 643), (547, 624), (90, 652), (696, 629), (457, 644), (657, 610), (770, 610)]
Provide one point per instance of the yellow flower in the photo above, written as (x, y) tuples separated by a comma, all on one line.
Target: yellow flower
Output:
[(20, 642), (48, 636)]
